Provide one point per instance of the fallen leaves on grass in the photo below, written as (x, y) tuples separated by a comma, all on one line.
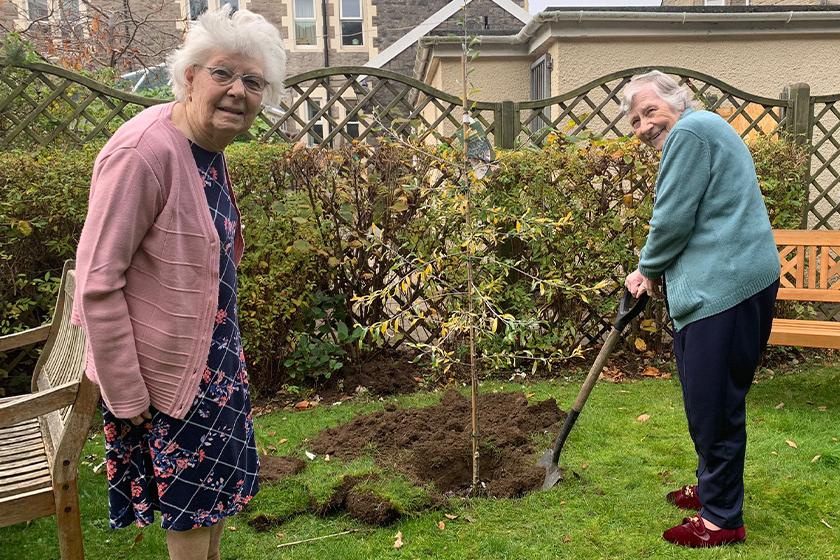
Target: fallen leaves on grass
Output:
[(441, 525), (791, 443), (450, 517), (304, 405), (398, 540), (816, 458), (643, 418), (612, 374), (780, 406), (640, 345), (824, 522), (651, 371)]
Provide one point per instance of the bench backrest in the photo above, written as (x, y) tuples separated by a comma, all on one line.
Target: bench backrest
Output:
[(810, 262), (62, 361)]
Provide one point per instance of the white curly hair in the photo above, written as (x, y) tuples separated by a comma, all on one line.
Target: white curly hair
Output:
[(244, 33), (679, 98)]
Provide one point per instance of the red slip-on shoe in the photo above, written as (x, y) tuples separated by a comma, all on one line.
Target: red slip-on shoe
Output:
[(685, 497), (693, 533)]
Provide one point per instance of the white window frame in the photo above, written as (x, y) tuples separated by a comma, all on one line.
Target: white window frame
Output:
[(360, 19), (190, 15), (211, 5), (313, 20), (313, 105), (46, 5), (540, 78)]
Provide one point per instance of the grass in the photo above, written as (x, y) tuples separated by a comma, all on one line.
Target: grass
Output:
[(614, 509)]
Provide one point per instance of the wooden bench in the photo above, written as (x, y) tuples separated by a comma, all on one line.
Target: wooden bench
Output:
[(810, 272), (42, 433)]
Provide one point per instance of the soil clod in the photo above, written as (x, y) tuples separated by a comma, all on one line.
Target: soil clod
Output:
[(273, 469)]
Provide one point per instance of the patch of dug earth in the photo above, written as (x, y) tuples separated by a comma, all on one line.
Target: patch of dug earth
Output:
[(359, 503), (274, 468), (382, 375), (432, 444)]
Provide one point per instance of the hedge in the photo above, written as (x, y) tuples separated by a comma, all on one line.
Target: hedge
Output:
[(329, 232)]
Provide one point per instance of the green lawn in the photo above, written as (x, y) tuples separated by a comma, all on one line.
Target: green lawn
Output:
[(614, 510)]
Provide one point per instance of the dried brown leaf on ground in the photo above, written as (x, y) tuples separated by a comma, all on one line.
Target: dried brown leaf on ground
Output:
[(791, 443), (643, 418), (398, 540), (651, 371)]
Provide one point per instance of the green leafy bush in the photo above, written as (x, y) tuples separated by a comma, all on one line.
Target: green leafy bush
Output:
[(372, 241)]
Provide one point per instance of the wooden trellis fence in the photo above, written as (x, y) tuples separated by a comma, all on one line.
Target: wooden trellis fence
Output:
[(45, 105)]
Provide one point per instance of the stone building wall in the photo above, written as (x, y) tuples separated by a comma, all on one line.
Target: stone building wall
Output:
[(395, 18)]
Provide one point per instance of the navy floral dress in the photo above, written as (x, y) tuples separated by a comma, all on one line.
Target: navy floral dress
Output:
[(203, 468)]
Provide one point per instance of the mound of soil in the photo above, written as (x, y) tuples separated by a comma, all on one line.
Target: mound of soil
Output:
[(360, 504), (363, 505), (273, 468), (432, 444), (387, 374)]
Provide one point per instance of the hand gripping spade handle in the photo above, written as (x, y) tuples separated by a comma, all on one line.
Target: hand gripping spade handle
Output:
[(628, 309)]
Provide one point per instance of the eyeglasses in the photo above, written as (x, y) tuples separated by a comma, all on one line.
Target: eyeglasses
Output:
[(224, 77)]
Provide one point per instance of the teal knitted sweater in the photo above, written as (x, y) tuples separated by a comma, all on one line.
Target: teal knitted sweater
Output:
[(709, 235)]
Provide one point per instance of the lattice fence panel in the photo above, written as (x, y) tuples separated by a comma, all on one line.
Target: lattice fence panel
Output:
[(45, 106), (596, 108), (824, 192), (335, 107)]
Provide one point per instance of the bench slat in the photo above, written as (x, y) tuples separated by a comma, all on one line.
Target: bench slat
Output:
[(43, 481), (812, 334), (809, 294), (29, 505), (806, 237)]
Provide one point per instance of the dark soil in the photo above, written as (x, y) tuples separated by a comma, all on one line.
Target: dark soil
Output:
[(360, 504), (273, 468), (363, 505), (432, 444), (382, 375)]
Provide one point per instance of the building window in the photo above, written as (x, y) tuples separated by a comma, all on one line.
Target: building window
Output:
[(234, 4), (714, 2), (316, 133), (197, 7), (304, 22), (540, 88), (351, 23), (38, 9)]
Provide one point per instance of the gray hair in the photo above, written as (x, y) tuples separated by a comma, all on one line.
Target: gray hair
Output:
[(244, 33), (665, 87)]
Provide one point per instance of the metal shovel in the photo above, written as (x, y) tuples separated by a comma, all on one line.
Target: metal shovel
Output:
[(627, 310)]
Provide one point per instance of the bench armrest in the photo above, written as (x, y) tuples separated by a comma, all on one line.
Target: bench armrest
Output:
[(24, 338), (15, 410)]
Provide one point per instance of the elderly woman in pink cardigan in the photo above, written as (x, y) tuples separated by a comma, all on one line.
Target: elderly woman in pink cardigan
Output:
[(157, 290)]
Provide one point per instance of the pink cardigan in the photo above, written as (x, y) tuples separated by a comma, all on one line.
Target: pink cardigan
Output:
[(147, 269)]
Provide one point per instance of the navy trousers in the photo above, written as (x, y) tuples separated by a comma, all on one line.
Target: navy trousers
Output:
[(717, 358)]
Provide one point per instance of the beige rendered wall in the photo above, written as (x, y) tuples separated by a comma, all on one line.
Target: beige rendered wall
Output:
[(758, 66), (497, 79)]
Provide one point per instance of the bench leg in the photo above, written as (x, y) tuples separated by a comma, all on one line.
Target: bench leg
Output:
[(69, 519)]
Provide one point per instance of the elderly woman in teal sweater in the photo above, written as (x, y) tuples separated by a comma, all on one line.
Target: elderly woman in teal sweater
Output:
[(711, 251)]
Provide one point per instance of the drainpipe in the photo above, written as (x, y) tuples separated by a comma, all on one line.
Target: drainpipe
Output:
[(326, 34)]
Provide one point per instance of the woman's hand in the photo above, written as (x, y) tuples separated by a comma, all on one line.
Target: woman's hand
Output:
[(140, 418), (638, 284)]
